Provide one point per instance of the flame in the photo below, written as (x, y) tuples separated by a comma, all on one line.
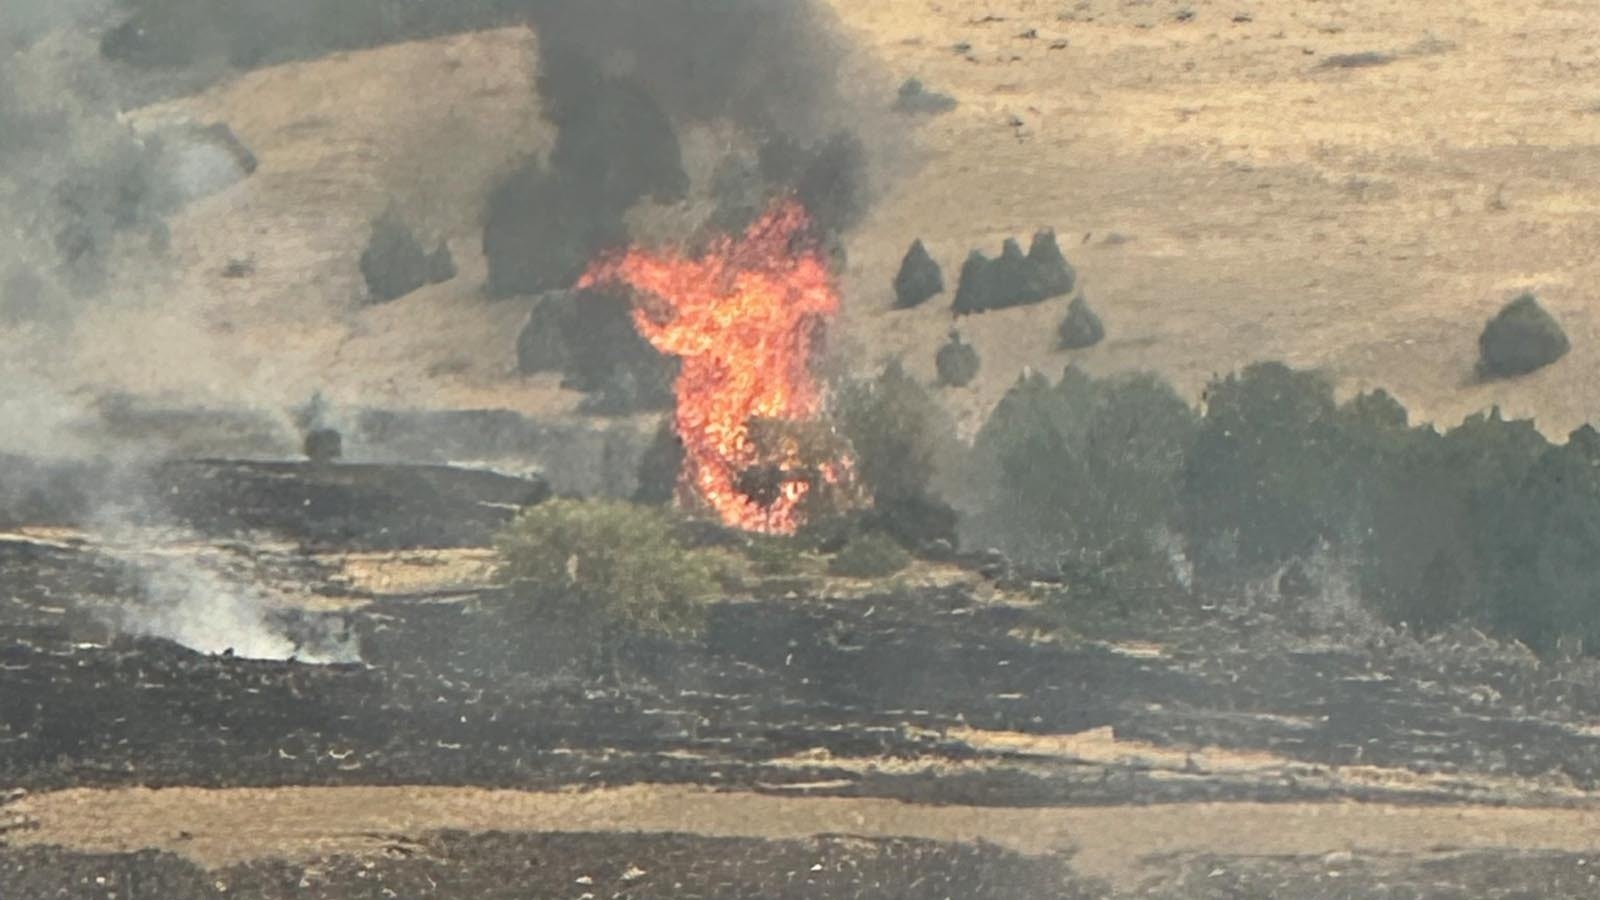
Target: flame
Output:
[(744, 318)]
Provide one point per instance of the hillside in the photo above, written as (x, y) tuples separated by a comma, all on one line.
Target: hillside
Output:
[(1225, 192)]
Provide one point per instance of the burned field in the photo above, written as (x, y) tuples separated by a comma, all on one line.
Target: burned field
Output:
[(939, 689)]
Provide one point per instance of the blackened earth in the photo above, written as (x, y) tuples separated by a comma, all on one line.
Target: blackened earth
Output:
[(870, 694)]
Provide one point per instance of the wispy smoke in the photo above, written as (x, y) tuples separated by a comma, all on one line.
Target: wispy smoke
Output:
[(197, 601)]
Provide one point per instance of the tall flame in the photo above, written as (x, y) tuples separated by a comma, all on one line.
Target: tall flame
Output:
[(744, 318)]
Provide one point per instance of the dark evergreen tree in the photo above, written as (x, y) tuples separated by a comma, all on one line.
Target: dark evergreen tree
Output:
[(919, 278)]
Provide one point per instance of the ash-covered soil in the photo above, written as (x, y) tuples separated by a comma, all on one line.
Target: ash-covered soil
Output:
[(594, 865), (927, 694), (938, 688), (495, 866)]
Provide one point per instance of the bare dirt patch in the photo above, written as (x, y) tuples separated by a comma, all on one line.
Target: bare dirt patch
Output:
[(218, 828)]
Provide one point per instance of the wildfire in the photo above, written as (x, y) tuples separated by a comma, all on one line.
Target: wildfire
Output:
[(744, 319)]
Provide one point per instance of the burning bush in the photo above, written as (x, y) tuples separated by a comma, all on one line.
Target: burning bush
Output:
[(743, 318), (614, 569)]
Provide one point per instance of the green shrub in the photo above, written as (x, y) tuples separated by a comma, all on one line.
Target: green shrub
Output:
[(872, 555), (614, 567), (776, 555)]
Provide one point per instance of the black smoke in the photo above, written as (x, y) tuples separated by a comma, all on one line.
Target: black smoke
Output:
[(619, 79)]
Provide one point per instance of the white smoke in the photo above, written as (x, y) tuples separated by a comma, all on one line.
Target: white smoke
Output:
[(221, 603)]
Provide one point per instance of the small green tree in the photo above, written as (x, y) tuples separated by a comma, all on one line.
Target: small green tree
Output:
[(1268, 477), (1082, 475), (1546, 578), (1436, 539), (613, 568), (902, 440)]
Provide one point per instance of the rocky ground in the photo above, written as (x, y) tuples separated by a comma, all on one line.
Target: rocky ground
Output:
[(957, 739)]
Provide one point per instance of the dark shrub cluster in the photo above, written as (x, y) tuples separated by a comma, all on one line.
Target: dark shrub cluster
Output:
[(1118, 489), (1015, 278), (956, 362), (589, 337), (395, 263)]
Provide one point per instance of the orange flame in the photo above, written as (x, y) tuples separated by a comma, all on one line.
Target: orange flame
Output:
[(744, 318)]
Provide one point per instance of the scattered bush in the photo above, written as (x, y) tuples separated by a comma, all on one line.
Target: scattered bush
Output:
[(323, 445), (919, 278), (872, 555), (395, 263), (1014, 279), (661, 467), (914, 98), (1522, 338), (1081, 328), (956, 362), (616, 568)]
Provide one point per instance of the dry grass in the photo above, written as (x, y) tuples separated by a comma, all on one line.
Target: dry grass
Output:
[(1224, 194)]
